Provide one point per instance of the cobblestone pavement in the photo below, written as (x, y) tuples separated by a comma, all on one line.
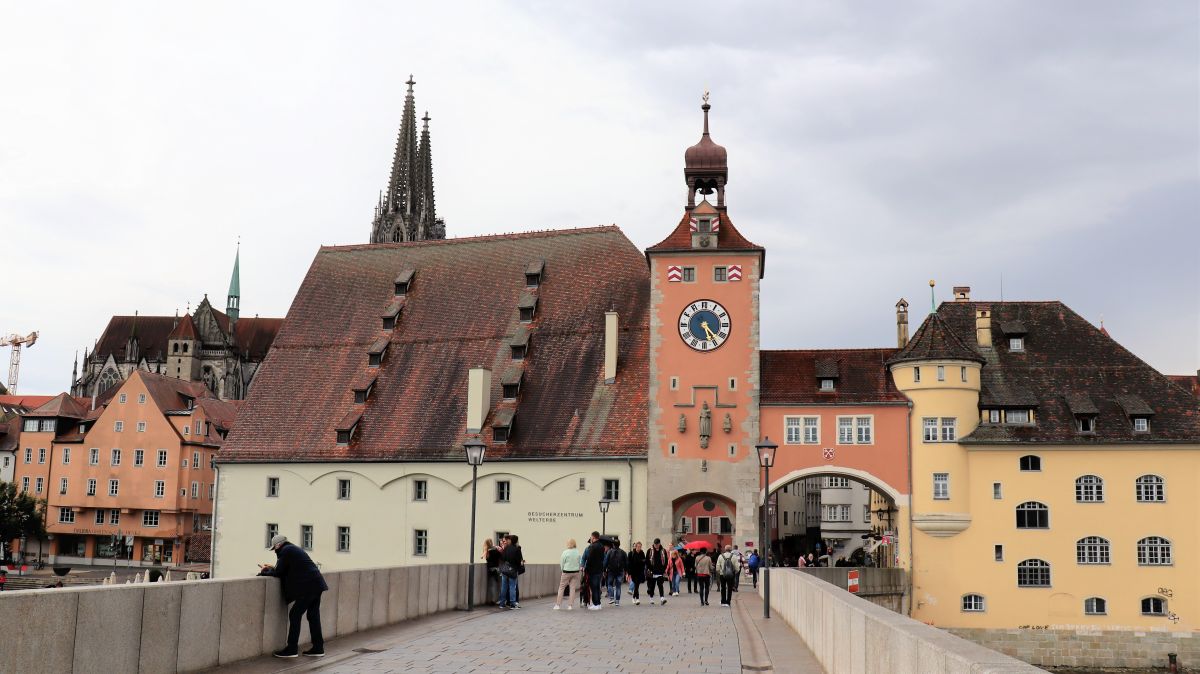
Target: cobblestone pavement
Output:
[(680, 636)]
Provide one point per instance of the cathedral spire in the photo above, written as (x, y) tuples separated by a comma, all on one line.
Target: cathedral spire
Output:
[(233, 301), (427, 215), (405, 212)]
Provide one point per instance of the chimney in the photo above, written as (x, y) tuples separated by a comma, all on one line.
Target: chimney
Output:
[(902, 323), (962, 293), (610, 347), (983, 327), (479, 398)]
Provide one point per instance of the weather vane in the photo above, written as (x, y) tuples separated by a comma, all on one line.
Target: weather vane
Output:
[(705, 96)]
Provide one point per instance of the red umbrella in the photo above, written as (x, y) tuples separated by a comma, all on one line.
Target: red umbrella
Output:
[(697, 545)]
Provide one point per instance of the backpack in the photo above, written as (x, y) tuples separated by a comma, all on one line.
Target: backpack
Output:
[(729, 566), (616, 561)]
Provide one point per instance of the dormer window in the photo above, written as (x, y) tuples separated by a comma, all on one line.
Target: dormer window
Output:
[(403, 281), (527, 306), (826, 384), (1016, 343), (1138, 411), (346, 427), (1141, 425), (520, 343), (1085, 423), (364, 387), (1017, 416), (991, 416), (510, 383), (1015, 331), (392, 314), (377, 352), (502, 425), (343, 437), (533, 273)]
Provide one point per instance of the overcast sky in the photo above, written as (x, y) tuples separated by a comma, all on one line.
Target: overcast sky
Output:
[(872, 147)]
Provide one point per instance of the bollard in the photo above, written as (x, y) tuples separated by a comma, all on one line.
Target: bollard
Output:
[(1173, 663)]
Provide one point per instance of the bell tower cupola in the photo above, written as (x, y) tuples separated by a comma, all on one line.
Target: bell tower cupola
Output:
[(706, 166)]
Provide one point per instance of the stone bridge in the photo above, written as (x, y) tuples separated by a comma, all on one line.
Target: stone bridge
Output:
[(407, 620)]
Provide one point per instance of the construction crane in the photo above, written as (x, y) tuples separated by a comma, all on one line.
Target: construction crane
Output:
[(14, 361)]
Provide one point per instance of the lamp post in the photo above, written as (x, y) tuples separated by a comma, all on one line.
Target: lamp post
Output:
[(604, 504), (475, 450), (766, 459)]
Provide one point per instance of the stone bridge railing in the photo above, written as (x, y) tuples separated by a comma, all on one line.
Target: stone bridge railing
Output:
[(194, 625), (848, 634), (883, 587)]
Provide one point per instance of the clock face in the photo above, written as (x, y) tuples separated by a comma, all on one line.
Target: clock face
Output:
[(704, 325)]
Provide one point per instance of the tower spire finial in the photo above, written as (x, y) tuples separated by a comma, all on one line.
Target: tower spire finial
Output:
[(705, 107)]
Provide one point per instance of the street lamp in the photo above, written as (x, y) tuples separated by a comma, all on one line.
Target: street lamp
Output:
[(604, 504), (766, 459), (475, 450)]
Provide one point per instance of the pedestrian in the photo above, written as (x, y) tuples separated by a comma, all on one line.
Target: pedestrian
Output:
[(689, 569), (656, 569), (569, 580), (302, 587), (491, 557), (616, 566), (728, 568), (511, 561), (675, 571), (512, 538), (3, 578), (704, 569), (741, 565), (754, 562), (636, 568), (809, 561), (593, 568)]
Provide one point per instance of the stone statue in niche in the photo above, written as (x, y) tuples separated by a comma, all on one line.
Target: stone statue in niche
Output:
[(682, 423), (705, 426), (728, 424)]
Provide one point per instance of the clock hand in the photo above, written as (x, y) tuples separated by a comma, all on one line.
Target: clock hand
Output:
[(707, 331)]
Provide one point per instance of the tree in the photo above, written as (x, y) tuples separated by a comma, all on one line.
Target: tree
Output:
[(20, 514)]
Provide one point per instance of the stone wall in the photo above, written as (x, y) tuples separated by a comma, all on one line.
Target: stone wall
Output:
[(194, 625), (1089, 648), (848, 634)]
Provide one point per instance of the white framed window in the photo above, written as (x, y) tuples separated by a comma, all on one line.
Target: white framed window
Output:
[(114, 486), (1154, 551), (162, 458), (992, 416), (845, 430), (826, 384), (114, 516), (1085, 423), (31, 426), (66, 515), (420, 490), (25, 485), (1092, 550), (421, 542), (1141, 425), (1089, 489), (612, 490), (306, 536), (66, 455), (37, 484), (1016, 416), (29, 455), (836, 482), (91, 486), (139, 457), (733, 383), (195, 490), (141, 427), (792, 430), (47, 426), (1016, 343), (997, 491), (212, 490), (962, 373), (972, 603), (1150, 489), (941, 372), (119, 426), (160, 488), (343, 489), (503, 491), (929, 425), (116, 457), (149, 518), (62, 485), (949, 429), (121, 398), (864, 430), (941, 486), (674, 383), (1033, 573), (1156, 606), (42, 455), (866, 513), (583, 484), (195, 459), (99, 517), (1033, 515), (917, 375), (272, 532), (343, 539), (141, 398), (187, 429), (94, 456), (812, 430)]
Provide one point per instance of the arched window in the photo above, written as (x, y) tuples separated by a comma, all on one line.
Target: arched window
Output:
[(1033, 573), (972, 603), (108, 379), (1154, 606), (1095, 606), (1151, 489), (1089, 489), (1031, 462), (1154, 551), (1092, 550), (1033, 515)]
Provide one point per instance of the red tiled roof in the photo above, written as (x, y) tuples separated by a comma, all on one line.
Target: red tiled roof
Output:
[(170, 393), (152, 334), (460, 312), (254, 336), (728, 238), (63, 405), (1189, 382), (27, 402), (10, 434), (186, 329), (222, 413), (791, 377), (935, 341)]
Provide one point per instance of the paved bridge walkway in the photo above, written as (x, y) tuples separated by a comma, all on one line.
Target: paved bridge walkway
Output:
[(680, 636)]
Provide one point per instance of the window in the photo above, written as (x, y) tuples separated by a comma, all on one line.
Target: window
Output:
[(149, 518), (1085, 424), (343, 539), (94, 456), (47, 426), (916, 375), (726, 524), (1033, 573), (1031, 463), (612, 490), (195, 459), (1150, 489), (833, 513), (583, 484), (997, 491), (91, 486), (834, 482), (66, 515), (116, 457), (119, 426), (1092, 550), (930, 426), (42, 455), (99, 517), (733, 383), (421, 542), (945, 431), (785, 518), (826, 384), (812, 430), (195, 490), (1154, 551), (1154, 606), (121, 398), (1089, 489), (719, 274), (1016, 416), (791, 430), (38, 484), (1141, 425), (113, 487), (689, 274), (187, 429), (941, 486), (949, 429), (420, 490), (1033, 515), (866, 513), (141, 398), (1016, 343), (1095, 606), (66, 455), (962, 372), (114, 516), (139, 457), (29, 455), (972, 603), (62, 485), (503, 491), (212, 489), (141, 427), (703, 525), (272, 532), (845, 430), (941, 371), (998, 551), (863, 430), (25, 484), (500, 434), (306, 536), (31, 426), (343, 490)]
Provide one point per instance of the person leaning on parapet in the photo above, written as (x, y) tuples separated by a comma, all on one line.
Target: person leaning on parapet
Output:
[(302, 588)]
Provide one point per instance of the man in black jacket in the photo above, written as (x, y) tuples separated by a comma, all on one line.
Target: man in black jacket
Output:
[(594, 568), (615, 567), (302, 588)]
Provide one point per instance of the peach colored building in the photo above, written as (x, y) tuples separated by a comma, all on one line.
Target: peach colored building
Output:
[(131, 477)]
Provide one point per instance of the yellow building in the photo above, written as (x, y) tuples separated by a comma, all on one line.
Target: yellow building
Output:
[(1055, 475)]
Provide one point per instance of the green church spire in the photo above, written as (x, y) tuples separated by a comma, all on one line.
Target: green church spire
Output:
[(233, 302)]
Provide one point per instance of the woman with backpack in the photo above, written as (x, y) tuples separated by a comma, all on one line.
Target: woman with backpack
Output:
[(656, 569), (754, 562), (704, 570), (728, 568)]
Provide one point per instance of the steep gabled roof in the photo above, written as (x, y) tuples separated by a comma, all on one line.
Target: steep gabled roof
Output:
[(934, 340), (63, 405), (793, 377), (728, 237), (186, 329)]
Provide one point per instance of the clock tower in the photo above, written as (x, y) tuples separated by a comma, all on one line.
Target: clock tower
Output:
[(704, 366)]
